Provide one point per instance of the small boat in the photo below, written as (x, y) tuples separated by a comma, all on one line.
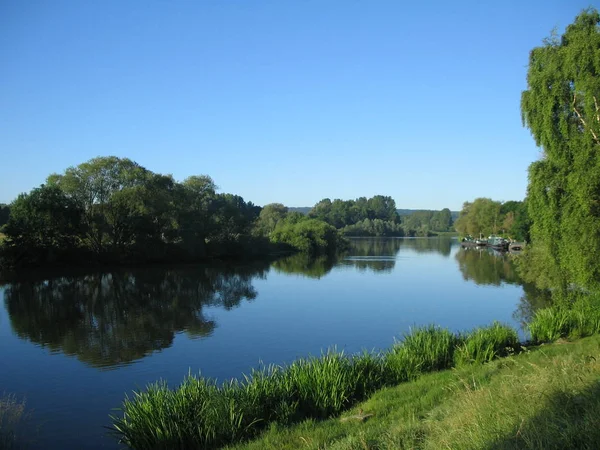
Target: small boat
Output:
[(516, 246), (497, 242)]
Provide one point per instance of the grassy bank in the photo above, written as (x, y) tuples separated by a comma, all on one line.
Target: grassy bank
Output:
[(202, 414), (547, 398)]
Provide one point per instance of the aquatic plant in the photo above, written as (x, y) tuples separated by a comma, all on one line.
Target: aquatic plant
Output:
[(484, 344), (580, 319)]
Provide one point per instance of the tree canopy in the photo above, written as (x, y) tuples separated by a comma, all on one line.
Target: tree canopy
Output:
[(485, 216), (113, 210), (561, 107)]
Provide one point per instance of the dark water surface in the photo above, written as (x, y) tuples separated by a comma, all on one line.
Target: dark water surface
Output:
[(72, 346)]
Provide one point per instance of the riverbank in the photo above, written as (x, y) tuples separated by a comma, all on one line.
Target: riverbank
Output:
[(201, 413), (547, 397)]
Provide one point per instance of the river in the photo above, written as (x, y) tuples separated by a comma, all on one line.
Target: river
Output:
[(72, 346)]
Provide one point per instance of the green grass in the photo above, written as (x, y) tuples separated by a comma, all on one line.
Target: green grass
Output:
[(200, 413), (12, 415), (579, 319), (422, 350), (486, 344), (547, 398)]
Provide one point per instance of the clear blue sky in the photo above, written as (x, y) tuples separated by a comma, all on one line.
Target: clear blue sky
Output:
[(278, 101)]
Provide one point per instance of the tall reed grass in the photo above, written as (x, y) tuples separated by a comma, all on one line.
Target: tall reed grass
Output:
[(485, 344), (556, 322), (203, 414)]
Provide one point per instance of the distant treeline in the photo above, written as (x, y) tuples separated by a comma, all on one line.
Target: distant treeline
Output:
[(378, 216), (112, 210)]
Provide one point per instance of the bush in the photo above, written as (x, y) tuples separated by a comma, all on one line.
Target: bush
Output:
[(311, 236)]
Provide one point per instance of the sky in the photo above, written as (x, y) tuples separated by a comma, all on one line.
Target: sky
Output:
[(278, 101)]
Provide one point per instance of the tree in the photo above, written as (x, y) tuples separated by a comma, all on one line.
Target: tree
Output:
[(92, 185), (561, 107), (195, 205), (269, 216), (311, 236), (4, 213), (42, 224), (480, 217), (441, 220)]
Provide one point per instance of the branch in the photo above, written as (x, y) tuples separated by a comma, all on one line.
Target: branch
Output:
[(597, 109), (582, 120)]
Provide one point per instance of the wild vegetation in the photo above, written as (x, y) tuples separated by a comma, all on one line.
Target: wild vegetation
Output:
[(561, 108), (485, 216), (544, 398), (560, 216), (200, 413), (378, 216), (113, 210)]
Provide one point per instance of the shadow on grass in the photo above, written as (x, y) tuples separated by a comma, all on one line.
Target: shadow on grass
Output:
[(566, 421)]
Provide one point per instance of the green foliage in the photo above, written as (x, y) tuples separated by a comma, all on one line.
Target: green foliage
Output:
[(421, 223), (341, 213), (486, 344), (485, 216), (482, 216), (374, 228), (572, 319), (546, 399), (201, 414), (309, 235), (4, 213), (269, 216), (113, 210), (43, 225), (422, 350), (561, 107)]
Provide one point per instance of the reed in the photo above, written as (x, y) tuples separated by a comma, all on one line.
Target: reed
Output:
[(423, 349), (580, 319), (203, 414), (485, 344)]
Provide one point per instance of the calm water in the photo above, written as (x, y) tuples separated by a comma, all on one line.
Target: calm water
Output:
[(74, 345)]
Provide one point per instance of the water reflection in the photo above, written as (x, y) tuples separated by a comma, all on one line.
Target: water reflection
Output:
[(374, 254), (486, 266), (111, 319), (304, 264), (532, 300), (441, 245)]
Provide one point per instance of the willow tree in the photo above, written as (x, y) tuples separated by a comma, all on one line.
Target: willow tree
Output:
[(561, 107)]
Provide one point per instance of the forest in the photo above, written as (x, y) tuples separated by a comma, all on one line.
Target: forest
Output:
[(112, 210)]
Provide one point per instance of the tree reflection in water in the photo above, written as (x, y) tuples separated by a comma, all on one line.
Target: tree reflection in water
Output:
[(113, 318), (489, 267)]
